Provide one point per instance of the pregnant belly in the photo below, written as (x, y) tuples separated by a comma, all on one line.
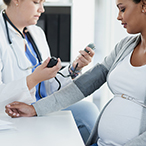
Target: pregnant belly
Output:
[(120, 122)]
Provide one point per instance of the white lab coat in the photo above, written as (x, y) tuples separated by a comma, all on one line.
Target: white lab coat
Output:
[(13, 86)]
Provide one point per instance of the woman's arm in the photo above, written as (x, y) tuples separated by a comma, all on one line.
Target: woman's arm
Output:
[(78, 89)]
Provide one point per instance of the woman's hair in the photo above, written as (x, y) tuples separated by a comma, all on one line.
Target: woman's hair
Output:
[(138, 1), (7, 2)]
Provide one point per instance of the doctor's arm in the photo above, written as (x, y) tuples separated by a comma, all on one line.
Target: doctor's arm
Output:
[(83, 59), (42, 73), (20, 90)]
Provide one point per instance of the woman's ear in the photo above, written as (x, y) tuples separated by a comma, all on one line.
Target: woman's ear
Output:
[(143, 7), (16, 2)]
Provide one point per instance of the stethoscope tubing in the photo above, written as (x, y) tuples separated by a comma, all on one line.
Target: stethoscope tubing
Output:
[(11, 44)]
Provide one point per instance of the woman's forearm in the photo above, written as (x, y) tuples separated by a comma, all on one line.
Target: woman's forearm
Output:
[(61, 99)]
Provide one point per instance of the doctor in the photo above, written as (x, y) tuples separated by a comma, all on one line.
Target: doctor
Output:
[(23, 47)]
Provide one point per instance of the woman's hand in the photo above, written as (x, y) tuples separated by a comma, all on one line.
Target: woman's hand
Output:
[(42, 73), (83, 59), (20, 109)]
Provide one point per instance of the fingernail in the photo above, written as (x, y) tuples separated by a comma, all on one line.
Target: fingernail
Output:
[(8, 105), (10, 112), (17, 115), (14, 114)]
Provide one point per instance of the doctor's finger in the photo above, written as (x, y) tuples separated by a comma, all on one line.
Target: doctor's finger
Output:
[(90, 51), (85, 54), (45, 63), (83, 62), (58, 66), (85, 58)]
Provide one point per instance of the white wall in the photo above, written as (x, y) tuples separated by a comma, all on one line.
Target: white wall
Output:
[(1, 2), (82, 25), (108, 31), (83, 14), (95, 21)]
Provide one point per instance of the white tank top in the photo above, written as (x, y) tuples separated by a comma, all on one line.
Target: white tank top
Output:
[(120, 121)]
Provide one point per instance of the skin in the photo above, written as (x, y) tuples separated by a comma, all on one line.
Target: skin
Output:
[(133, 18), (28, 10), (21, 109), (84, 58), (129, 15), (42, 73)]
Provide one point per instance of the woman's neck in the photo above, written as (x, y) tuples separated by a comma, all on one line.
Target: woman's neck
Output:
[(143, 43), (11, 13)]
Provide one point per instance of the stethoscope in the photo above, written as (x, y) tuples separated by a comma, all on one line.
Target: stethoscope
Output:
[(38, 58)]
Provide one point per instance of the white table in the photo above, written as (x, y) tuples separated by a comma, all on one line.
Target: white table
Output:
[(57, 129)]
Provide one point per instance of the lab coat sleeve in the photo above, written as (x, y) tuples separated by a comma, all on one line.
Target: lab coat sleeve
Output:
[(16, 90), (13, 91)]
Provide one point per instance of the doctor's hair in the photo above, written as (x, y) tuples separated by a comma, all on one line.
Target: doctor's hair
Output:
[(7, 2)]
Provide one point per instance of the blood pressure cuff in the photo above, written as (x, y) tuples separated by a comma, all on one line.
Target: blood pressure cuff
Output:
[(73, 92), (92, 79)]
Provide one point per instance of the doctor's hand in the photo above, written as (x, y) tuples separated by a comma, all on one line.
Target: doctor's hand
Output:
[(83, 59), (42, 73), (20, 109)]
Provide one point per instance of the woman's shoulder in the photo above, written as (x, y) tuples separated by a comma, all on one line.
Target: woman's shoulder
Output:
[(129, 39), (127, 42)]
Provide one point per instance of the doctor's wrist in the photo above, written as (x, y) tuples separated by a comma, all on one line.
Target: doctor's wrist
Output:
[(73, 72), (31, 81)]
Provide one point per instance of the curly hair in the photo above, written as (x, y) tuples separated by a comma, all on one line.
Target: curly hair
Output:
[(7, 2), (138, 1)]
